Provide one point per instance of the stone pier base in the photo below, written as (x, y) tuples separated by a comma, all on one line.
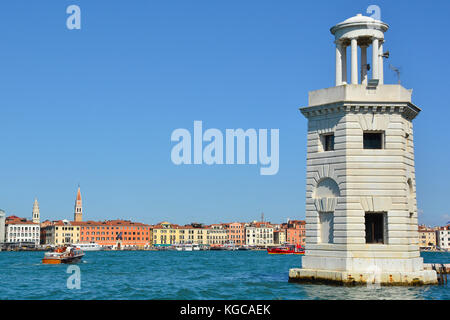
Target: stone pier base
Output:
[(350, 278)]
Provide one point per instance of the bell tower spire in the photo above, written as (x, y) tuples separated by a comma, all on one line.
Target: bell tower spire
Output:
[(36, 214), (78, 214)]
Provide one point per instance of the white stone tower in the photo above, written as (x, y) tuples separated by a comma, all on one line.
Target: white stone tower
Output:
[(36, 215), (361, 213), (78, 212), (2, 226)]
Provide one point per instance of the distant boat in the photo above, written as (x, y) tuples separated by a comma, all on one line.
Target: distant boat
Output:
[(216, 247), (63, 255), (229, 246), (186, 247), (287, 249), (90, 246)]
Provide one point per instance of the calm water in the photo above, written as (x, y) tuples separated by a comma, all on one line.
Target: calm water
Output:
[(184, 275)]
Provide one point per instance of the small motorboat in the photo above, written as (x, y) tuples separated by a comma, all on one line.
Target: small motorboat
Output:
[(229, 246), (91, 246), (216, 247), (287, 249), (63, 255), (186, 247)]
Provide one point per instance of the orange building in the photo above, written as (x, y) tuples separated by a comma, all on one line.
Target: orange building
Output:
[(235, 233), (115, 233), (295, 232)]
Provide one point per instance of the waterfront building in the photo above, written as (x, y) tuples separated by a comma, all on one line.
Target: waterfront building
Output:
[(2, 226), (117, 234), (216, 235), (194, 233), (36, 216), (21, 232), (166, 234), (443, 238), (60, 232), (361, 211), (259, 234), (43, 226), (235, 233), (78, 210), (427, 238), (279, 236), (296, 232)]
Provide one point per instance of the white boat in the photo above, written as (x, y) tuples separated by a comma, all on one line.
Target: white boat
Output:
[(90, 246), (229, 246), (186, 247)]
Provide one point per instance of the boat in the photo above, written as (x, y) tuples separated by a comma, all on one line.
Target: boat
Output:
[(186, 247), (244, 248), (229, 246), (63, 255), (287, 249), (216, 247), (90, 246)]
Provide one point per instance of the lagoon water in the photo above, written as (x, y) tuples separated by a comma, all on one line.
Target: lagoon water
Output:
[(253, 275)]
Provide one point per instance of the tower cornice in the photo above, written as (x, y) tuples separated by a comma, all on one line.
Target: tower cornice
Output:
[(408, 110)]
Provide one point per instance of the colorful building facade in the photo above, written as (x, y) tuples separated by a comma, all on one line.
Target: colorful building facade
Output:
[(116, 234), (296, 232), (427, 238), (21, 231), (236, 233)]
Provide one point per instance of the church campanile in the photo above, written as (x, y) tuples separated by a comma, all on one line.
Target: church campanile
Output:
[(78, 214)]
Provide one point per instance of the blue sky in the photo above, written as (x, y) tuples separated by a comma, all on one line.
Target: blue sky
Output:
[(97, 106)]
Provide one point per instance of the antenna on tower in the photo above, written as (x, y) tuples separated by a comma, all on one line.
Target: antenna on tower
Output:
[(262, 216), (397, 72)]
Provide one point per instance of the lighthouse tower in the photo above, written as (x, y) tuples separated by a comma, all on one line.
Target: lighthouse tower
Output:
[(361, 213)]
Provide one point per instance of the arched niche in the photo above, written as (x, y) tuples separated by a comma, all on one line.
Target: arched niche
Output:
[(325, 198), (326, 188)]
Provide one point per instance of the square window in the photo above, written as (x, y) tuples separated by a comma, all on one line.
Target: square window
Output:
[(373, 140), (327, 142), (375, 227)]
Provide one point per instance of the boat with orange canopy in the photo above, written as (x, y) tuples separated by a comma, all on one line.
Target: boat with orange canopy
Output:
[(63, 255)]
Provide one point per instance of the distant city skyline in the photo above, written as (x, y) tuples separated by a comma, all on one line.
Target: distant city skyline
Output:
[(97, 106)]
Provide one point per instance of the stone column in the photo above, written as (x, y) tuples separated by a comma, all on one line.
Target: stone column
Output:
[(375, 59), (380, 64), (364, 64), (344, 63), (354, 73), (338, 64)]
